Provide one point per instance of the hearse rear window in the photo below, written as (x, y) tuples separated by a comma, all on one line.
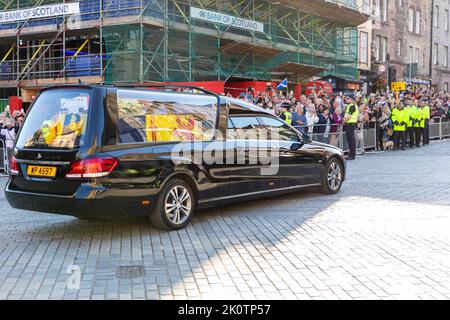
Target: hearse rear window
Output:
[(154, 116), (57, 120)]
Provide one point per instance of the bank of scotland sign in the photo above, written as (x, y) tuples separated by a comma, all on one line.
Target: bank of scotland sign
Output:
[(40, 12), (226, 19)]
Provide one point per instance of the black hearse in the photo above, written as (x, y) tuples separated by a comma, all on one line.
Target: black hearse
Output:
[(161, 151)]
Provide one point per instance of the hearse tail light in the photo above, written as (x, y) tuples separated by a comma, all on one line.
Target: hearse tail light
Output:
[(92, 168), (13, 166)]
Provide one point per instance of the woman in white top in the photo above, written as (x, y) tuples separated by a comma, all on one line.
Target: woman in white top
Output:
[(311, 118), (10, 135)]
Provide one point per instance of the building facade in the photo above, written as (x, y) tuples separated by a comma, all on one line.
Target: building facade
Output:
[(189, 41), (365, 32), (440, 44), (401, 42)]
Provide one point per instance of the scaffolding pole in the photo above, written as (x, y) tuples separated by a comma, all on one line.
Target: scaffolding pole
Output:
[(186, 48), (8, 53), (74, 56), (41, 45)]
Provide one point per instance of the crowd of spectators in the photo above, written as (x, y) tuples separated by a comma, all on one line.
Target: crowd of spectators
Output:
[(9, 127), (318, 113), (323, 114)]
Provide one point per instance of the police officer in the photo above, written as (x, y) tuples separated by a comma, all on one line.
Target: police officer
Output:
[(399, 118), (417, 119), (350, 120), (286, 114), (424, 125), (410, 110)]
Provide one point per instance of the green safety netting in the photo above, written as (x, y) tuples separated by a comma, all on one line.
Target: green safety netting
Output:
[(163, 43)]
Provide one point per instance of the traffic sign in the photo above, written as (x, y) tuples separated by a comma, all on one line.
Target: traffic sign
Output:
[(382, 68), (398, 86)]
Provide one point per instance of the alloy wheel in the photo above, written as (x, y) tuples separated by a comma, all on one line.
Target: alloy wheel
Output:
[(178, 205), (334, 176)]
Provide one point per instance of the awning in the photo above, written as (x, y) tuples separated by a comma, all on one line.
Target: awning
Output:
[(297, 71), (418, 81), (329, 9), (234, 47)]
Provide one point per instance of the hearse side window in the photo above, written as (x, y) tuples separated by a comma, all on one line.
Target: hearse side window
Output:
[(245, 127), (154, 116), (278, 130), (231, 132)]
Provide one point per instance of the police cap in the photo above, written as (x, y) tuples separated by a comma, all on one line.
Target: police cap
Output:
[(286, 105)]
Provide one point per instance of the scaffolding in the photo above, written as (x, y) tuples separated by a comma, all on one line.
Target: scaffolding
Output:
[(158, 40)]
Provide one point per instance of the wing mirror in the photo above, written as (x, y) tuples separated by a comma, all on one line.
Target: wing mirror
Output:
[(296, 145)]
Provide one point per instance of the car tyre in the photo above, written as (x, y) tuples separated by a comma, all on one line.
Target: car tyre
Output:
[(175, 206), (332, 178)]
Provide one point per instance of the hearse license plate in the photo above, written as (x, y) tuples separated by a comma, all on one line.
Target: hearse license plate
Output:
[(41, 171)]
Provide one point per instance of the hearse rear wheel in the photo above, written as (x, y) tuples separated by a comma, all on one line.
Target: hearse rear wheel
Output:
[(175, 206)]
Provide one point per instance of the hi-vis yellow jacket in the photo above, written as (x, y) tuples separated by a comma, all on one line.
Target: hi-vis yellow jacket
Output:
[(399, 118)]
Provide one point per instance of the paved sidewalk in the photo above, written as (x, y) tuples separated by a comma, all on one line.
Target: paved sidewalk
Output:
[(386, 235)]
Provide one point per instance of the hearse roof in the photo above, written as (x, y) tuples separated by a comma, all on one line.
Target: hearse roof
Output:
[(154, 87), (236, 104)]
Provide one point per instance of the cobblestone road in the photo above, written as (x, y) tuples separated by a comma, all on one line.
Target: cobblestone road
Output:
[(385, 235)]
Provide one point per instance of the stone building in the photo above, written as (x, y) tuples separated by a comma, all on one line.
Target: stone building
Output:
[(440, 44), (401, 41), (365, 30)]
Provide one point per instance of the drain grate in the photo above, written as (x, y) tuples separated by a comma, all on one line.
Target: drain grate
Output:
[(130, 272)]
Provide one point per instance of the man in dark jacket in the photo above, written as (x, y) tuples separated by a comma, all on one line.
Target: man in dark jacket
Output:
[(323, 127), (18, 122)]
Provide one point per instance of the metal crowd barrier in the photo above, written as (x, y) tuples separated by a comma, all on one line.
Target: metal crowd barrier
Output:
[(439, 129), (366, 139), (445, 130)]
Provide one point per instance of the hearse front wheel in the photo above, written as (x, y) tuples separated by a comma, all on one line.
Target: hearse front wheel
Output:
[(332, 178), (175, 206)]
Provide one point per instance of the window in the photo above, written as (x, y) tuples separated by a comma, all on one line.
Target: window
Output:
[(411, 20), (145, 116), (399, 47), (400, 3), (416, 55), (436, 54), (245, 122), (366, 6), (363, 47), (436, 17), (418, 16), (410, 54), (383, 9), (380, 49), (383, 49), (446, 87), (446, 19), (446, 56), (57, 120), (278, 130), (231, 132), (245, 127), (377, 48), (377, 9)]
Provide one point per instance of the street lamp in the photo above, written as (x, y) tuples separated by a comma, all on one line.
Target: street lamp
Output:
[(388, 58)]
